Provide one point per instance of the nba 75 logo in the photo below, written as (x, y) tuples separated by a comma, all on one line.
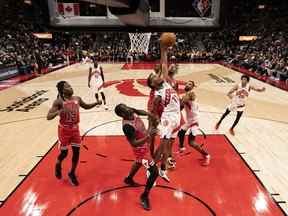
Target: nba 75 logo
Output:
[(19, 103), (202, 6)]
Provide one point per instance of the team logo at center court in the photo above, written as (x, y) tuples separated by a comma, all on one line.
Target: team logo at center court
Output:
[(132, 87)]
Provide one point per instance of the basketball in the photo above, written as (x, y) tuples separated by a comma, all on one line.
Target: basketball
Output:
[(168, 39)]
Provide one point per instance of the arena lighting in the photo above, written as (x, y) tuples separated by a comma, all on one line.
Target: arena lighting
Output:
[(28, 2), (261, 7), (43, 35), (247, 38)]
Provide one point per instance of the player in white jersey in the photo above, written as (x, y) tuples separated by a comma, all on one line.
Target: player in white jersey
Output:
[(170, 118), (192, 113), (238, 95), (96, 82)]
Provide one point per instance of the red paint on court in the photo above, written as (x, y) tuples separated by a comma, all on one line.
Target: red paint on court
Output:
[(226, 187)]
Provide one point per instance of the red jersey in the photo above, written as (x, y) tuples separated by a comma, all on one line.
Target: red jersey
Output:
[(150, 104), (140, 131), (138, 125), (71, 118)]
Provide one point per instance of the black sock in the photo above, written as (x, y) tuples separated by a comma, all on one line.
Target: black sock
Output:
[(150, 181), (239, 114), (191, 138), (63, 154), (103, 98), (75, 158), (181, 136), (223, 116)]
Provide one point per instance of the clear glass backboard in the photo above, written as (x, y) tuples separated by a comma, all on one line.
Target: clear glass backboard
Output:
[(164, 15)]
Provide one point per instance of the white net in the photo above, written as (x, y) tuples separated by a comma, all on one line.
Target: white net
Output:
[(139, 42)]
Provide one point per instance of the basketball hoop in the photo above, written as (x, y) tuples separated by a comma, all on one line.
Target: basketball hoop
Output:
[(139, 42)]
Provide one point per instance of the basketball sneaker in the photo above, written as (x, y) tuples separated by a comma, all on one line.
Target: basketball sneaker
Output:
[(206, 160), (145, 202), (58, 172), (231, 131), (181, 150), (163, 175), (131, 182), (73, 179)]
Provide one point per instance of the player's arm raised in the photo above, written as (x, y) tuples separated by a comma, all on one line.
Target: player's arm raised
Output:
[(88, 106), (152, 117), (130, 133), (54, 110), (164, 62), (230, 93), (258, 89)]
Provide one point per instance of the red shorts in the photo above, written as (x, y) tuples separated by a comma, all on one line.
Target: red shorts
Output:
[(69, 135), (140, 153)]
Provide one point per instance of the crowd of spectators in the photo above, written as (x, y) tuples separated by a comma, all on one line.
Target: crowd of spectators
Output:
[(267, 56)]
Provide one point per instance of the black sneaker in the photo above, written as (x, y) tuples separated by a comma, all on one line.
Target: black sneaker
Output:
[(58, 172), (73, 179), (145, 202), (131, 182)]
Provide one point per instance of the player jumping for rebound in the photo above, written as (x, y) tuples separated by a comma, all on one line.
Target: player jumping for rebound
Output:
[(170, 119), (238, 95), (66, 106), (191, 125), (96, 81), (138, 137)]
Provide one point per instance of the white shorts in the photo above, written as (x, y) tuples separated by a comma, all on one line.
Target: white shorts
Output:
[(236, 107), (191, 127), (170, 125), (97, 85)]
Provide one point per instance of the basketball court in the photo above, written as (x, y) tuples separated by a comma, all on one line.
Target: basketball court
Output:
[(247, 174)]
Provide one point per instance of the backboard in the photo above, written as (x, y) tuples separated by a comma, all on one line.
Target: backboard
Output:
[(164, 15)]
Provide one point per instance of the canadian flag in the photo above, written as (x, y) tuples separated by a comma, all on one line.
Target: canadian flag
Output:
[(68, 9)]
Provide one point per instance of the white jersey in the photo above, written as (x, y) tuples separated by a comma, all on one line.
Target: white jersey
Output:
[(96, 73), (239, 98), (96, 80), (192, 112), (170, 98)]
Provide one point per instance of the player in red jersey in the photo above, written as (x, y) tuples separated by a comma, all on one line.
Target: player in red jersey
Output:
[(157, 72), (138, 137), (67, 107)]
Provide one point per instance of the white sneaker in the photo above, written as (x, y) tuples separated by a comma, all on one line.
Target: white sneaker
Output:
[(106, 107), (163, 174), (182, 149)]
